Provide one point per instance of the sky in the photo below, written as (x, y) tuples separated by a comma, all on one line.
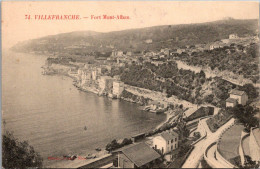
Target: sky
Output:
[(16, 28)]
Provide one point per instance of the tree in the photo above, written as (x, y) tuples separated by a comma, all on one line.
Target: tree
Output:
[(209, 98), (182, 129), (245, 115), (250, 90), (18, 154), (183, 150), (112, 146)]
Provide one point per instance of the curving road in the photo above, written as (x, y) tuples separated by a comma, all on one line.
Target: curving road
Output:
[(199, 148)]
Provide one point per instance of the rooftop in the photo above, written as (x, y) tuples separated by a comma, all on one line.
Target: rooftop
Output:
[(237, 92), (231, 100), (169, 135), (140, 154)]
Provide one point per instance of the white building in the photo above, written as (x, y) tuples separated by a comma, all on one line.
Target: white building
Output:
[(166, 142), (94, 74), (236, 97), (230, 102), (241, 96), (225, 41), (86, 76), (129, 53), (148, 41), (180, 51), (233, 36), (118, 88), (214, 46)]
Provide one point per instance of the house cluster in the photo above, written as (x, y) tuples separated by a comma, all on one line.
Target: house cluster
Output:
[(120, 58), (95, 76), (236, 97)]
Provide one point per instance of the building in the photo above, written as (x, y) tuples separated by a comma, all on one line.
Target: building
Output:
[(128, 53), (236, 97), (225, 41), (166, 142), (120, 53), (86, 76), (86, 66), (118, 88), (230, 102), (106, 83), (155, 57), (154, 105), (137, 156), (166, 51), (73, 72), (241, 96), (233, 36), (117, 53), (180, 51), (99, 70), (214, 46), (157, 63), (148, 41), (94, 74)]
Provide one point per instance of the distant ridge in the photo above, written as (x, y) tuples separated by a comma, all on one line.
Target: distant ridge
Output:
[(171, 36)]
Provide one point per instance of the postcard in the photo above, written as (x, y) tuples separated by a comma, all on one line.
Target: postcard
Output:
[(130, 84)]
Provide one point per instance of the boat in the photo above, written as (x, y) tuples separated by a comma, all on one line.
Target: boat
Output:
[(147, 108), (98, 149), (159, 111), (153, 111), (90, 156)]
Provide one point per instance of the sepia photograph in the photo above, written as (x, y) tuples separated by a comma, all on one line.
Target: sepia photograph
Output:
[(130, 84)]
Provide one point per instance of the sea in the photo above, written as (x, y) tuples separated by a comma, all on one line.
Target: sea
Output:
[(56, 118)]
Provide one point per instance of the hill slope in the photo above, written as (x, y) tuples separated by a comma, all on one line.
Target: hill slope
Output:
[(134, 39)]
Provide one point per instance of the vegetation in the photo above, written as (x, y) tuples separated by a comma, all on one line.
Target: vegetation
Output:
[(196, 135), (245, 115), (85, 42), (137, 99), (236, 59), (201, 112), (248, 162), (250, 90), (115, 145), (183, 153), (183, 130), (204, 164), (164, 127), (219, 120), (185, 84), (18, 154)]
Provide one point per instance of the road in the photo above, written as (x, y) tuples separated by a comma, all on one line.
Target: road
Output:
[(199, 148), (212, 158)]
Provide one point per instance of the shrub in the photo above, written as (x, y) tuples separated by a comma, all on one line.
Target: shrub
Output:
[(18, 154)]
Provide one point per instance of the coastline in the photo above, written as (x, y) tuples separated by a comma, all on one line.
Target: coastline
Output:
[(103, 152)]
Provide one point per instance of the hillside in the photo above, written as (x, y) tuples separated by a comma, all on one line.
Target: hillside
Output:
[(171, 36)]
